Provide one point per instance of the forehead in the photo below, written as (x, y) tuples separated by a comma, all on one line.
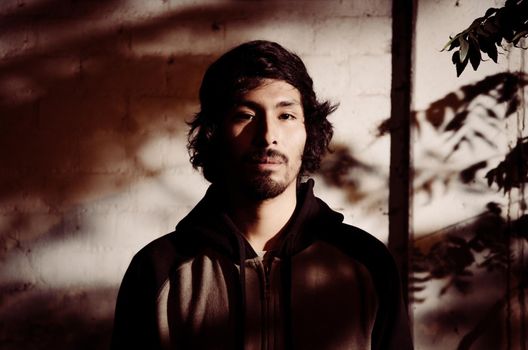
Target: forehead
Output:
[(271, 91)]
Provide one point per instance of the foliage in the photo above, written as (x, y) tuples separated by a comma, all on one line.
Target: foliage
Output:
[(341, 169), (455, 254), (467, 104), (462, 118), (513, 170), (486, 34)]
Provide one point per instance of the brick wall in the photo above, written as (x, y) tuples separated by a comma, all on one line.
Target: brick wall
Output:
[(93, 102)]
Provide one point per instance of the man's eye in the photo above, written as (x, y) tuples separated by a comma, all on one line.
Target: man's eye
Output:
[(286, 116), (243, 116)]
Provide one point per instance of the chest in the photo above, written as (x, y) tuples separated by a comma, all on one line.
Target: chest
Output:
[(317, 299)]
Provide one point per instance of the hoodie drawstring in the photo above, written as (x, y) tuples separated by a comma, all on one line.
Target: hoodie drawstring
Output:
[(242, 316), (286, 275)]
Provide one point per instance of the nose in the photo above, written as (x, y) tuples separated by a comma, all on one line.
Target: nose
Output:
[(267, 131)]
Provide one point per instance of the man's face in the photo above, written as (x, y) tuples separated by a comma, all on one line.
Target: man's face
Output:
[(263, 138)]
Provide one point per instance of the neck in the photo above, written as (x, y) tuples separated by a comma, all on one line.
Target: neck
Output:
[(261, 222)]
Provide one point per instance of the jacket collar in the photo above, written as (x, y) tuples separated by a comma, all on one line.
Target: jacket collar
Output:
[(209, 226)]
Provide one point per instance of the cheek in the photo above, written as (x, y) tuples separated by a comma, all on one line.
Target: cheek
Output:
[(301, 140), (231, 136), (236, 143), (234, 131), (237, 133), (297, 143)]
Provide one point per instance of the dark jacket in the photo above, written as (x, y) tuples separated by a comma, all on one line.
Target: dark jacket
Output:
[(328, 286)]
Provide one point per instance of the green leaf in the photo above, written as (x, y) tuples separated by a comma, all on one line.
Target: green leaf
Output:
[(474, 58), (455, 58), (482, 34), (491, 27), (451, 44), (474, 52), (486, 34), (490, 12), (464, 48), (476, 23), (492, 52), (460, 65)]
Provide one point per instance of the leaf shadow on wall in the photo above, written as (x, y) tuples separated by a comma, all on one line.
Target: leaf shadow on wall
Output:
[(341, 169), (75, 112), (71, 129), (477, 262)]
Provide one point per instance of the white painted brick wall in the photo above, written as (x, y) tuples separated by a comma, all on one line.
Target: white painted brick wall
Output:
[(93, 102)]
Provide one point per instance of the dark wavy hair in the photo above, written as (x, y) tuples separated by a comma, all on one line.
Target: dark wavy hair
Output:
[(239, 71)]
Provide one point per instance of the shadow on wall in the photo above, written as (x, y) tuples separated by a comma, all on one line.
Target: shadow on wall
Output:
[(80, 96), (465, 120), (77, 105), (78, 319), (478, 266), (481, 268), (342, 170), (75, 113)]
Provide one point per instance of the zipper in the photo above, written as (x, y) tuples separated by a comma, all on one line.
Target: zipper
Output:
[(267, 336)]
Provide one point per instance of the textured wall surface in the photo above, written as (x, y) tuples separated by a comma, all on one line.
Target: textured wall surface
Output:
[(94, 96), (470, 294)]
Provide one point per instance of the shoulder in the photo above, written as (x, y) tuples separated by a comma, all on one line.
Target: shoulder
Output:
[(156, 259), (356, 240), (363, 247), (357, 237), (171, 246)]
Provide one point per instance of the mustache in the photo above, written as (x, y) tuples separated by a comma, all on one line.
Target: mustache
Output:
[(267, 155)]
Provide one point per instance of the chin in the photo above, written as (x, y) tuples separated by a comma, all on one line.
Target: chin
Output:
[(264, 187)]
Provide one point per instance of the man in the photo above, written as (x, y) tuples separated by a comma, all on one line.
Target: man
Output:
[(260, 262)]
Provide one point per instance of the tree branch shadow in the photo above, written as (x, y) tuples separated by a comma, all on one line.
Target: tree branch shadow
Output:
[(470, 153)]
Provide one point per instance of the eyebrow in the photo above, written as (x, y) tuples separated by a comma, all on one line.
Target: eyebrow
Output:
[(288, 103), (251, 104)]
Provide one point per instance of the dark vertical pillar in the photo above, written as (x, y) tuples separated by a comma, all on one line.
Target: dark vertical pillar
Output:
[(403, 15)]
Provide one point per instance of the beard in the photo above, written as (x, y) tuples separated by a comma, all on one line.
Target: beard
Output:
[(262, 187), (259, 184)]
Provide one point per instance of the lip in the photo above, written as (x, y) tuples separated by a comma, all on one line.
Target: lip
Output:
[(269, 160), (266, 164), (266, 161)]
